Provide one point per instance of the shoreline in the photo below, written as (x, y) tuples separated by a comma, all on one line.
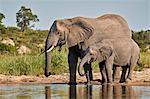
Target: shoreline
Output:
[(139, 78)]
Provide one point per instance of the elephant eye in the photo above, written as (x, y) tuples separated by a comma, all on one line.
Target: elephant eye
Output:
[(58, 33), (91, 53)]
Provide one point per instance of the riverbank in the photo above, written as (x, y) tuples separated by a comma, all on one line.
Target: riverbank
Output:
[(139, 78)]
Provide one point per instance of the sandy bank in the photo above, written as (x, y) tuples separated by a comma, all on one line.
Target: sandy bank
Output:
[(139, 78)]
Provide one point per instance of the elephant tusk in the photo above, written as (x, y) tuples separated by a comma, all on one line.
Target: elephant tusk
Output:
[(50, 49)]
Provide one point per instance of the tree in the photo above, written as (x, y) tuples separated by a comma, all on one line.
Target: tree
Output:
[(2, 16), (24, 18), (2, 27)]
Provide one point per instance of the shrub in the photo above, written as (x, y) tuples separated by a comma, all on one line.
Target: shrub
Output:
[(7, 48)]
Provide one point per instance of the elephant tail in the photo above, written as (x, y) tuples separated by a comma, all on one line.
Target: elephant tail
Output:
[(139, 62)]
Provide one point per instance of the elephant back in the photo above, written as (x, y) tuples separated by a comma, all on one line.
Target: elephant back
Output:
[(109, 26)]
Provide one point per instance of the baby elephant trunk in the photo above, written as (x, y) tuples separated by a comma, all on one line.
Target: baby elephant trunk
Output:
[(80, 68)]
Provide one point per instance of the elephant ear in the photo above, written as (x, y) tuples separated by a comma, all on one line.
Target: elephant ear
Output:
[(106, 50), (79, 31)]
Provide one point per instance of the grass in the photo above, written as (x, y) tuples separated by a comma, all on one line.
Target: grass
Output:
[(21, 65), (34, 64), (145, 59)]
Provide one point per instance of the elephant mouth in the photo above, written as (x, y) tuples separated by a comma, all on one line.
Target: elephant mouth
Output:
[(61, 42)]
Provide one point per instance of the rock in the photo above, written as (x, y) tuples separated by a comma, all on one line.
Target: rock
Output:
[(8, 42), (1, 38), (23, 50)]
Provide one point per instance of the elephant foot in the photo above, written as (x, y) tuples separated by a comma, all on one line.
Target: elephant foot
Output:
[(110, 84), (89, 83), (48, 74), (116, 80), (122, 81), (104, 83), (128, 80), (72, 83)]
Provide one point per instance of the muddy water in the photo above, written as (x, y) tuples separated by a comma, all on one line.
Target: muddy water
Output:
[(64, 91)]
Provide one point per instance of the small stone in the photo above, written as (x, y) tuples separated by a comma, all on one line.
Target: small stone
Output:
[(23, 50), (8, 42)]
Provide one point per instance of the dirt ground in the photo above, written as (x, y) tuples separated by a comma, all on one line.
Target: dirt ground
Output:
[(139, 78)]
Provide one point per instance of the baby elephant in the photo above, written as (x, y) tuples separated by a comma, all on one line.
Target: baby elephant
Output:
[(110, 52)]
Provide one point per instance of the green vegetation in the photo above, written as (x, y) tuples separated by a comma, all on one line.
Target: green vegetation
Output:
[(21, 65), (144, 61), (2, 16), (24, 18), (31, 38), (7, 49), (33, 64), (143, 39), (2, 28)]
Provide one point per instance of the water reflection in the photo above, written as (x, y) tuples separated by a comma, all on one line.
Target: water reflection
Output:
[(64, 91), (98, 91), (80, 93), (118, 92), (47, 92)]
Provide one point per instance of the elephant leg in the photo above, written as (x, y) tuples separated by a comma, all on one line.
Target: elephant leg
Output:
[(134, 60), (72, 60), (88, 71), (130, 72), (123, 75), (109, 64), (103, 72), (116, 73)]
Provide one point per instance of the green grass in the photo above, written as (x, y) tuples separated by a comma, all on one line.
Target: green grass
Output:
[(21, 65), (33, 64), (59, 61), (145, 59)]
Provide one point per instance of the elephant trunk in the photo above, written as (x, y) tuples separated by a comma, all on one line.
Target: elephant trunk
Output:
[(47, 63), (83, 61), (51, 42)]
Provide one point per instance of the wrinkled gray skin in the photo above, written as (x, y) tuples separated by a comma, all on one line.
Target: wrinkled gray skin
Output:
[(108, 52), (80, 32)]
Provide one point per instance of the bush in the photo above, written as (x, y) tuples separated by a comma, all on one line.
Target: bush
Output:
[(2, 29), (13, 29), (144, 61), (142, 38), (7, 49)]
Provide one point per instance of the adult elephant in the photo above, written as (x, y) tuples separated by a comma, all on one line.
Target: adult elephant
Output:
[(81, 32)]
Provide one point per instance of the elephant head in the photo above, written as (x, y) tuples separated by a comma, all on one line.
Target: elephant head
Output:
[(70, 31), (98, 52)]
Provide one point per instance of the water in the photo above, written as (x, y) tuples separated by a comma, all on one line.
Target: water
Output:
[(64, 91)]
